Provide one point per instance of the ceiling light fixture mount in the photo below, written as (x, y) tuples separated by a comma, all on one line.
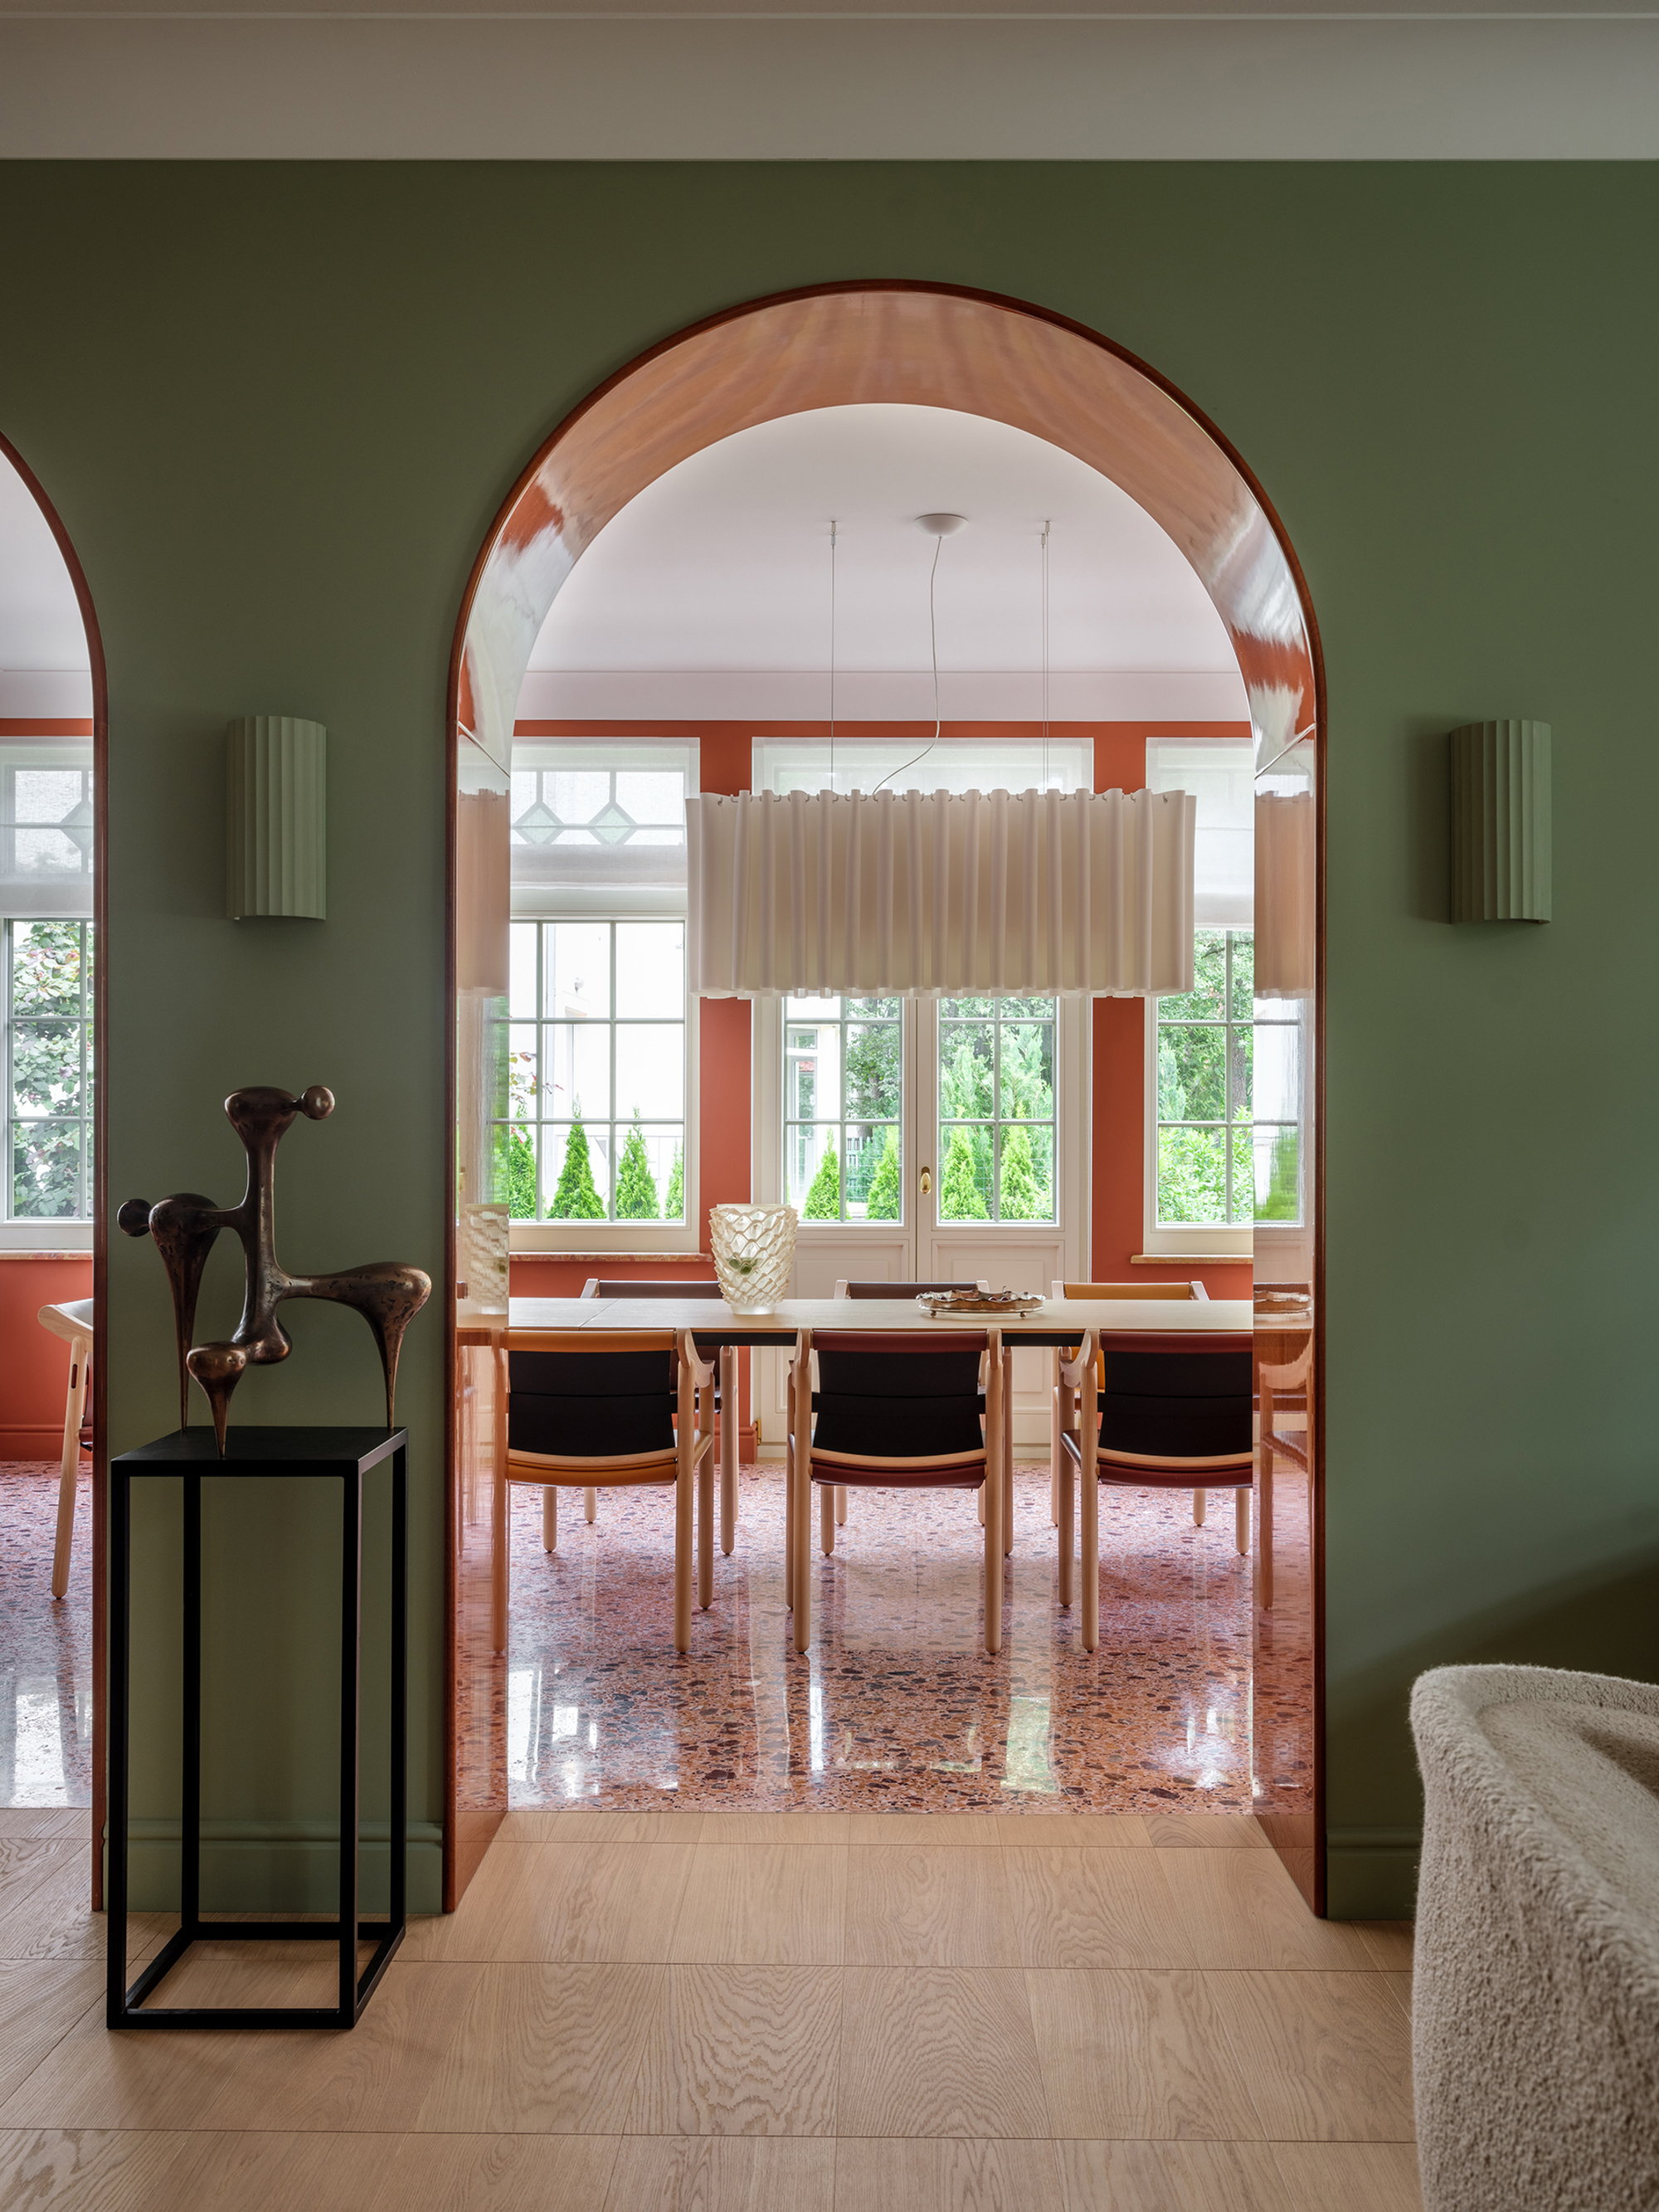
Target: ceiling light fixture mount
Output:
[(941, 525)]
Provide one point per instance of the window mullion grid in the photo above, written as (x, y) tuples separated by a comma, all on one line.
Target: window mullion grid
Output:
[(839, 1139), (610, 1158), (82, 1093), (996, 1109), (540, 1071), (5, 1076)]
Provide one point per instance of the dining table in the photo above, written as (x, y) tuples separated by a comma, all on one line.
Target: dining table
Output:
[(1051, 1323)]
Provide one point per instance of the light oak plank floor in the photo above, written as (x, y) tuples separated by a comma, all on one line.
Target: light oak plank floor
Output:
[(748, 2013)]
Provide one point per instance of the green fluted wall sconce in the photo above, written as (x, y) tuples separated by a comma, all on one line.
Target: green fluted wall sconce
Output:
[(276, 793), (1501, 821)]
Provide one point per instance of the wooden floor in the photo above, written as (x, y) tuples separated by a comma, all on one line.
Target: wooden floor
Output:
[(748, 2013)]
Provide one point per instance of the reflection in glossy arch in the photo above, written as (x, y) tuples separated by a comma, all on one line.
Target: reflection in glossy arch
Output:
[(837, 346)]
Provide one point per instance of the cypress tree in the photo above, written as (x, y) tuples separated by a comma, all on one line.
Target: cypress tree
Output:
[(636, 1187), (960, 1197), (823, 1199), (882, 1201), (1023, 1197), (673, 1206), (576, 1198)]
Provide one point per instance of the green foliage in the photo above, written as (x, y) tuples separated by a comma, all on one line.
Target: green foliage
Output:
[(636, 1187), (965, 1075), (1028, 1089), (576, 1199), (872, 1070), (1282, 1202), (962, 1198), (673, 1206), (50, 1009), (824, 1199), (1022, 1197), (520, 1174), (882, 1202), (1192, 1177)]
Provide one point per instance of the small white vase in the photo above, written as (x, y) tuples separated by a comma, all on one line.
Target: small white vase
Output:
[(753, 1253)]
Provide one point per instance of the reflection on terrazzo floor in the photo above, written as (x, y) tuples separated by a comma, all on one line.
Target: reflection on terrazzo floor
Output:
[(46, 1648), (897, 1706)]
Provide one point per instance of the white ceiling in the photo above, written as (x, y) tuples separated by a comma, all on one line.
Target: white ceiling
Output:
[(829, 80), (724, 563), (39, 620)]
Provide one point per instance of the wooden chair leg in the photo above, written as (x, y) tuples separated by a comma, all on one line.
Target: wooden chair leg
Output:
[(827, 1517), (550, 1516), (1242, 1520), (590, 1504), (1053, 1441), (1091, 1559), (803, 1542), (789, 1492), (1200, 1499), (73, 1406), (729, 1417), (992, 1491), (1264, 1571), (706, 1531), (1067, 1481), (840, 1504), (1007, 1454)]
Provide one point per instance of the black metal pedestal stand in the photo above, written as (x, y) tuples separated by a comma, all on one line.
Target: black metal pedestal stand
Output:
[(345, 1456)]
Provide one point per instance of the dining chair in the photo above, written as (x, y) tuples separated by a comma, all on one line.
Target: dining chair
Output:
[(894, 1414), (1058, 1290), (591, 1407), (725, 1386), (1175, 1413), (74, 1323), (1279, 1387), (845, 1288)]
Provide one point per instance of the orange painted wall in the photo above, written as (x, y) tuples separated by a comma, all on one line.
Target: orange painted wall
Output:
[(35, 1371), (724, 1090)]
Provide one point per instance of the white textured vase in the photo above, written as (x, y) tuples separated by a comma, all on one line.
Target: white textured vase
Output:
[(753, 1252)]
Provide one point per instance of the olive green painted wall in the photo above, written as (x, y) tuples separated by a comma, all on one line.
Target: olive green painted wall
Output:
[(277, 406)]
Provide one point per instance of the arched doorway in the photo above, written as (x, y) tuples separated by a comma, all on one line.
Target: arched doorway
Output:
[(920, 345), (50, 742)]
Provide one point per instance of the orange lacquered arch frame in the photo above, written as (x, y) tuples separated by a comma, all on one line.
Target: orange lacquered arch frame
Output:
[(926, 344)]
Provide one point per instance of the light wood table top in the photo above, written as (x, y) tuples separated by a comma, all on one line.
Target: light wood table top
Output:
[(1055, 1321)]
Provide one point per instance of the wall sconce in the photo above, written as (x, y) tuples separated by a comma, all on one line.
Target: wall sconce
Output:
[(1501, 821), (276, 816)]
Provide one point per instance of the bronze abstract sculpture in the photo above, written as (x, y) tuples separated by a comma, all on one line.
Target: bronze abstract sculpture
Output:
[(387, 1293)]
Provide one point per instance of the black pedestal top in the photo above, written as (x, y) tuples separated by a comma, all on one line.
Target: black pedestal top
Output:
[(267, 1451)]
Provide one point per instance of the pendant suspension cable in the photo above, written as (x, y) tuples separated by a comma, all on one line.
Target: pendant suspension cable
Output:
[(933, 637), (1047, 527), (832, 656)]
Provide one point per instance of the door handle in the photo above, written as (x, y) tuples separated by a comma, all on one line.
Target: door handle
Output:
[(925, 1181)]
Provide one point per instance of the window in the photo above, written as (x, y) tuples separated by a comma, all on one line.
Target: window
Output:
[(596, 1127), (1228, 1133), (48, 1074), (786, 765), (996, 1109), (843, 1108)]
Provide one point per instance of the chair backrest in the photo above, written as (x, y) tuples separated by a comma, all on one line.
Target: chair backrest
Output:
[(599, 1286), (596, 1394), (1129, 1291), (894, 1398), (846, 1290), (1175, 1395)]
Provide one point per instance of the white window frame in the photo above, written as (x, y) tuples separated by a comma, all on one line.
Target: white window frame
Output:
[(1179, 1240), (621, 901)]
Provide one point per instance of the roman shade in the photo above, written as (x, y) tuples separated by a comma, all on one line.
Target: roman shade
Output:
[(981, 894), (1285, 892)]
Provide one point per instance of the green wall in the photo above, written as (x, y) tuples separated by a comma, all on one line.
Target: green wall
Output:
[(277, 406)]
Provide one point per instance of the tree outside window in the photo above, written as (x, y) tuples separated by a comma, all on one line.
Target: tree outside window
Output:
[(843, 1109), (996, 1109)]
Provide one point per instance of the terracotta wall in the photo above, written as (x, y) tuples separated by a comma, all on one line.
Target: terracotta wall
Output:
[(1118, 1173), (34, 1367)]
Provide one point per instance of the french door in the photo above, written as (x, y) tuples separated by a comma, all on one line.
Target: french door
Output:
[(923, 1139)]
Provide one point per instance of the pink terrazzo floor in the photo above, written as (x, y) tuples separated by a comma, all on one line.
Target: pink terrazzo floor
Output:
[(897, 1706), (45, 1648)]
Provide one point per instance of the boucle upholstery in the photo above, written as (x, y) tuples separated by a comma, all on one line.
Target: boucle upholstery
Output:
[(1536, 2009)]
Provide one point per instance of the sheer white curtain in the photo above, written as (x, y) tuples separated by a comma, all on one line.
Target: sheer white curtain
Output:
[(983, 892)]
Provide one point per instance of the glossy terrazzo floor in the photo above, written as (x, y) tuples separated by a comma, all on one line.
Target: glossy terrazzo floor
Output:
[(46, 1648), (897, 1707)]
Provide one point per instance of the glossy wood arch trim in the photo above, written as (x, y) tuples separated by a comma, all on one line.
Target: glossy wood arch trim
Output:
[(99, 1128), (941, 345)]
